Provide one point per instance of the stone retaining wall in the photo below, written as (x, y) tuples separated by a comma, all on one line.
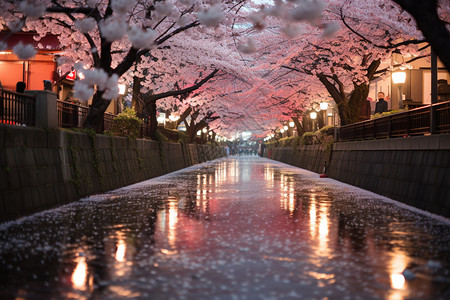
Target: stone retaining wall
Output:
[(413, 170), (43, 168)]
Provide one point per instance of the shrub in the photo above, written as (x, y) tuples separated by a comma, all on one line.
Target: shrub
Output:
[(307, 138), (183, 137), (387, 113), (126, 124), (287, 141)]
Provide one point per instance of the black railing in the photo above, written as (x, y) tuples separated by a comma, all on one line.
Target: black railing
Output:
[(17, 108), (409, 123), (73, 115)]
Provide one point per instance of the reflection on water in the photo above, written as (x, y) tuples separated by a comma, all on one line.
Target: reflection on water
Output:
[(121, 249), (239, 227), (80, 274)]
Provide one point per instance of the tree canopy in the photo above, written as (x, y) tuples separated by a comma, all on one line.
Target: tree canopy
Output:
[(241, 65)]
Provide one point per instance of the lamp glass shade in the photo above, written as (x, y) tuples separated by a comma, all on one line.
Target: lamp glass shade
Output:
[(204, 130), (291, 124), (398, 77), (323, 105), (282, 130), (313, 115), (199, 132), (122, 89), (285, 128)]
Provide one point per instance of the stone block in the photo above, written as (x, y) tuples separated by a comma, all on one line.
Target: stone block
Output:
[(3, 158), (3, 179), (444, 141), (13, 136), (13, 204), (14, 178), (102, 141)]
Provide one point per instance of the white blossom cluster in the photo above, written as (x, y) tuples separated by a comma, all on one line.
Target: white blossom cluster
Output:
[(85, 25), (212, 16), (84, 89), (33, 9), (24, 51), (141, 38)]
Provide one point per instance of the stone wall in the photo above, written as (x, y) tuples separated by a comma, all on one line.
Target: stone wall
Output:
[(44, 168), (413, 170)]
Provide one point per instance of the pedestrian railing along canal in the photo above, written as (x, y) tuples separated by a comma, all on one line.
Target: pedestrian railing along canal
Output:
[(73, 115), (17, 108), (412, 122)]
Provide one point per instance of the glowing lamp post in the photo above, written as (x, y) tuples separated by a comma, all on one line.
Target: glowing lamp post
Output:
[(122, 89), (323, 105), (399, 79), (313, 116), (323, 109)]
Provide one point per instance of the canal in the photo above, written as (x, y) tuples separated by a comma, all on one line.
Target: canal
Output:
[(234, 228)]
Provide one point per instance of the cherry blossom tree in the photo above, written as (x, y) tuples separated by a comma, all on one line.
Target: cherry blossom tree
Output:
[(105, 38), (341, 44)]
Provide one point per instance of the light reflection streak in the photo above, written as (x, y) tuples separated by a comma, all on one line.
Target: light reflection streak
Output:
[(173, 220), (397, 265), (121, 249), (80, 274)]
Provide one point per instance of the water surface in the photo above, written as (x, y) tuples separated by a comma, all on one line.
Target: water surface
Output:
[(235, 228)]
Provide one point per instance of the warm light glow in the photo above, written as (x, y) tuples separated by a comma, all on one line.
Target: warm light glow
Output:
[(81, 75), (161, 118), (323, 105), (199, 132), (397, 281), (173, 118), (285, 128), (80, 274), (210, 133), (121, 249), (399, 77), (282, 130), (204, 130), (291, 124), (313, 115), (122, 89)]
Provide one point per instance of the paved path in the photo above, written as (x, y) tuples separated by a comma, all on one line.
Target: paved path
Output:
[(235, 228)]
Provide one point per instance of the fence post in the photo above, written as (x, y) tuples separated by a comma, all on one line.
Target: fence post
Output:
[(46, 108), (433, 92)]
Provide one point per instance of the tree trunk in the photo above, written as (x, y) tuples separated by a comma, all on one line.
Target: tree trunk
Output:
[(95, 117), (136, 101), (433, 29), (299, 126), (153, 120)]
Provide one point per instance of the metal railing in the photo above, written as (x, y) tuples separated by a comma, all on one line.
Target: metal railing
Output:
[(73, 115), (17, 108), (409, 123)]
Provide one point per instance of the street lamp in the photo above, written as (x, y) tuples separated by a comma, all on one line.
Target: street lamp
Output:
[(313, 116), (323, 105), (399, 79), (323, 109), (291, 124), (122, 89)]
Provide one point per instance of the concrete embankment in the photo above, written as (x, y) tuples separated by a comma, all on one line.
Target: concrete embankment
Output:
[(412, 170), (41, 168)]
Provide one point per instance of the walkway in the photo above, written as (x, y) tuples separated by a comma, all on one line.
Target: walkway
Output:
[(234, 228)]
